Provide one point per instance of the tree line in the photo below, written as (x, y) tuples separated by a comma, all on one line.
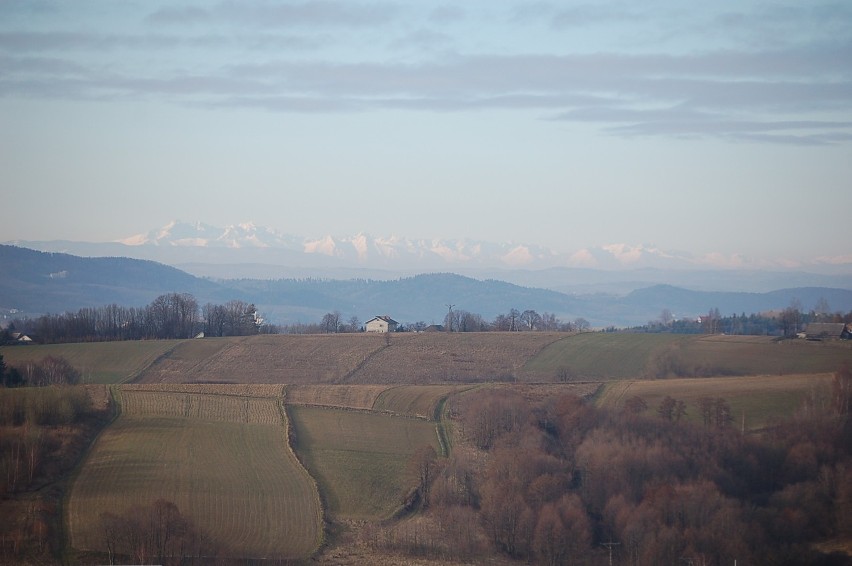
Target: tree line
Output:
[(456, 320), (173, 315), (787, 322)]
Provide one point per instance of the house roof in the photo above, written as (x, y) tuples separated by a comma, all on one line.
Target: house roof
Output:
[(384, 317)]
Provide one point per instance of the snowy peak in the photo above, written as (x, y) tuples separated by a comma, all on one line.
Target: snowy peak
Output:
[(392, 252), (198, 234)]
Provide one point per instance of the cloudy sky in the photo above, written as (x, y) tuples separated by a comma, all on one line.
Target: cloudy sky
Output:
[(722, 128)]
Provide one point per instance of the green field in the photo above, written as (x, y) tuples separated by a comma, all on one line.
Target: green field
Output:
[(359, 459), (599, 356), (604, 356), (755, 400), (227, 466), (98, 362)]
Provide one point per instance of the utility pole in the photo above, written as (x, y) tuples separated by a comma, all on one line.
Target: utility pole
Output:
[(609, 545), (450, 318)]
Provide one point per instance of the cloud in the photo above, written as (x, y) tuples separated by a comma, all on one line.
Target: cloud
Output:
[(277, 14), (446, 14), (791, 93)]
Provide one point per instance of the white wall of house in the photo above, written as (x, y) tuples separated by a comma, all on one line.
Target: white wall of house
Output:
[(380, 324), (377, 325)]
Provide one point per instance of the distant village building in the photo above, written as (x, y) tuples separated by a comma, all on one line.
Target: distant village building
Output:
[(828, 331), (381, 324), (19, 338), (434, 328)]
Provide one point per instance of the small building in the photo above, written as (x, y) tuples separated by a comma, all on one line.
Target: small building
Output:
[(828, 331), (19, 338), (434, 328), (382, 323)]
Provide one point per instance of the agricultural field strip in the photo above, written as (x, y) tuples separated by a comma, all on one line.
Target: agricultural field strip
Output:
[(204, 479), (405, 401), (359, 457), (107, 362), (244, 443)]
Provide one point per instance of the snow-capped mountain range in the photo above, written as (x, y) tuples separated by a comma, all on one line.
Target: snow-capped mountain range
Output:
[(365, 250), (248, 251)]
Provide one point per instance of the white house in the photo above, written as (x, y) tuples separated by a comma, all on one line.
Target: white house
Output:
[(381, 324)]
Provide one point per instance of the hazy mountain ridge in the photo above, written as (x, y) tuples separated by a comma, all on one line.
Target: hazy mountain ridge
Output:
[(214, 250), (38, 282)]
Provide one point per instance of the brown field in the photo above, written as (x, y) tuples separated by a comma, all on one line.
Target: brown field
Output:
[(755, 400), (420, 401), (453, 358), (342, 396), (351, 359), (227, 466), (234, 389), (360, 460), (327, 358)]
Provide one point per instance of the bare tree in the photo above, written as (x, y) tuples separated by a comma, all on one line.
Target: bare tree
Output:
[(530, 319), (423, 462), (331, 322)]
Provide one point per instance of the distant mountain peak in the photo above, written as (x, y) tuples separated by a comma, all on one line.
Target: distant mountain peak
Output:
[(397, 252)]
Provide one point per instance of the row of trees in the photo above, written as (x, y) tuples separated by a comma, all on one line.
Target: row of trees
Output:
[(456, 320), (513, 321), (786, 322), (174, 315), (156, 534), (560, 481)]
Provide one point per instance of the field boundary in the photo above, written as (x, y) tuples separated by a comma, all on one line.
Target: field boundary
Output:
[(384, 412), (65, 508), (131, 378), (290, 435), (360, 365)]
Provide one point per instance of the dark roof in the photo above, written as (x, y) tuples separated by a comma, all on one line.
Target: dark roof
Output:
[(384, 317)]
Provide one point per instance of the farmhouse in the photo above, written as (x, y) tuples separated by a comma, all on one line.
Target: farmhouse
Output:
[(828, 331), (19, 338), (382, 323)]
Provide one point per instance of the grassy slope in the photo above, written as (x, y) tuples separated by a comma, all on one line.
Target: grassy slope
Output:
[(237, 480), (755, 355), (99, 362), (626, 356), (599, 356), (359, 459), (434, 358)]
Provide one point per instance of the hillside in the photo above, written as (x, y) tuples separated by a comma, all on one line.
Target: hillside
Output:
[(39, 282), (33, 283), (408, 358)]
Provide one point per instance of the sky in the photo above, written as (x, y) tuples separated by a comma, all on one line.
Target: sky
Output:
[(722, 129)]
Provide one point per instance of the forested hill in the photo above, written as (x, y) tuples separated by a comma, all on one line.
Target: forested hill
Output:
[(38, 282)]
